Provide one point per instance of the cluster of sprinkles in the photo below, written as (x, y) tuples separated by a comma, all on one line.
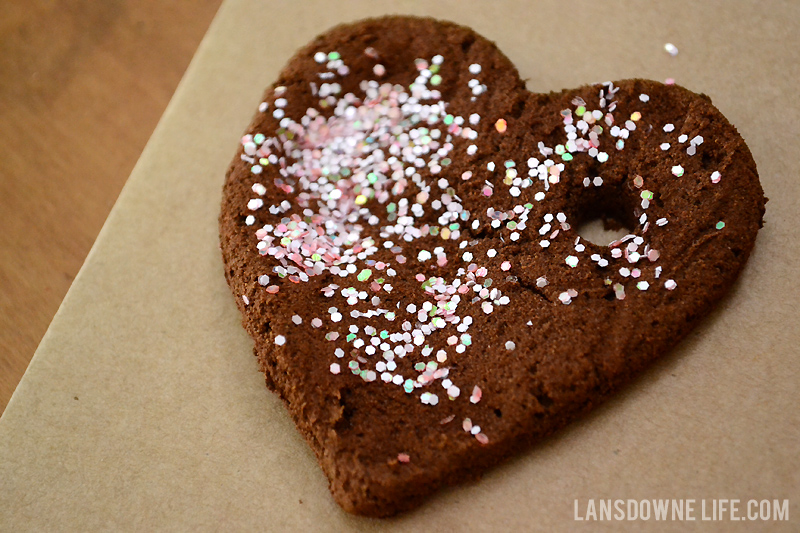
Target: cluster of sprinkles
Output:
[(386, 151)]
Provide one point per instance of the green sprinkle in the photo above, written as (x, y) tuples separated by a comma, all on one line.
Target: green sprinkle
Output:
[(384, 334), (567, 157), (448, 119), (333, 56), (353, 365), (466, 339), (436, 79), (580, 111), (720, 224), (364, 274), (259, 138), (647, 195), (408, 385), (391, 208), (419, 367), (350, 337), (263, 161)]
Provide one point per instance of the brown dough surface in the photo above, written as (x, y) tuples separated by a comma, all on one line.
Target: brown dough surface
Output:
[(566, 358)]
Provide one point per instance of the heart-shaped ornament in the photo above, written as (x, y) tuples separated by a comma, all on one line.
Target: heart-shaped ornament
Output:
[(399, 228)]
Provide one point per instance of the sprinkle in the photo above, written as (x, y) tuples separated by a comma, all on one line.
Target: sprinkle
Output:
[(403, 458), (505, 266), (720, 224), (669, 127), (297, 319), (510, 345), (677, 170), (572, 261), (477, 394), (501, 125), (671, 49), (482, 438), (642, 285), (245, 299), (379, 70), (474, 68), (715, 177), (670, 81), (335, 368), (280, 340), (644, 98)]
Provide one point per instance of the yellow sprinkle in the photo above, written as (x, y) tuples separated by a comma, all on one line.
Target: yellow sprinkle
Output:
[(445, 233), (636, 116), (361, 199), (501, 125)]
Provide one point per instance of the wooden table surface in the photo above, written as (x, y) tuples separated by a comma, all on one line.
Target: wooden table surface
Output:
[(82, 86)]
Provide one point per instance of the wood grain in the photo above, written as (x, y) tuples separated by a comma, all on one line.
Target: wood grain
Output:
[(82, 86)]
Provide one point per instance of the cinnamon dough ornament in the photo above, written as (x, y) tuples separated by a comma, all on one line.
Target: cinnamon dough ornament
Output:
[(399, 231)]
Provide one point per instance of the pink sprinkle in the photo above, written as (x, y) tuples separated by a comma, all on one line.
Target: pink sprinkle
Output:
[(335, 368), (420, 277), (403, 457), (505, 266), (670, 81), (476, 395), (482, 438), (467, 424), (487, 191), (379, 70), (273, 289)]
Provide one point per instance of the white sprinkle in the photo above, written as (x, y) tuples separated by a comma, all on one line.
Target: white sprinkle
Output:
[(665, 146), (491, 252), (671, 49), (541, 282), (644, 98), (683, 138), (255, 203), (280, 340), (669, 127), (335, 368), (670, 284), (474, 68), (320, 57), (510, 345), (715, 177), (297, 319)]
